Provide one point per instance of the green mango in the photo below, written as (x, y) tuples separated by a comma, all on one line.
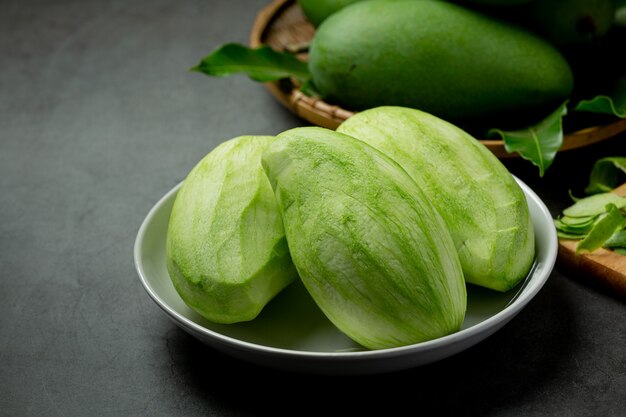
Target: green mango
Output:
[(226, 251), (369, 247), (316, 11), (481, 203), (567, 22), (588, 35), (494, 2), (436, 56)]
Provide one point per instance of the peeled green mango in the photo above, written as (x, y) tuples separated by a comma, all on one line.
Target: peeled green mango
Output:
[(435, 56), (226, 250), (369, 247), (481, 203)]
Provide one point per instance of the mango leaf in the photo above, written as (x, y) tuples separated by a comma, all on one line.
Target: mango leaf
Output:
[(605, 174), (612, 103), (261, 64), (539, 143), (602, 230), (310, 90)]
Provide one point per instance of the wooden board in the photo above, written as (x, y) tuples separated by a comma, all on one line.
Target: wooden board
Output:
[(603, 266)]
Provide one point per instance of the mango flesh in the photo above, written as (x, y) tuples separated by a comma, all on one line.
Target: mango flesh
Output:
[(435, 56), (369, 247), (481, 203), (226, 250)]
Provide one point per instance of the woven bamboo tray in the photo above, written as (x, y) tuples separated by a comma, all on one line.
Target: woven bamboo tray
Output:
[(282, 25)]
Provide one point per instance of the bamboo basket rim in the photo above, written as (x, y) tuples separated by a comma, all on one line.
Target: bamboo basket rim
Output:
[(275, 17)]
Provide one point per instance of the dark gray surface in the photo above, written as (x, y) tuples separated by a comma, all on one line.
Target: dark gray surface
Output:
[(99, 118)]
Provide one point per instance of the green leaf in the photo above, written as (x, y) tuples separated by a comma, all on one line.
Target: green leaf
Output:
[(261, 64), (539, 143), (612, 103), (309, 89), (602, 230), (605, 174)]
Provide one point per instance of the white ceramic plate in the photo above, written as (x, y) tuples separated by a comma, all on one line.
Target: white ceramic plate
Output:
[(292, 334)]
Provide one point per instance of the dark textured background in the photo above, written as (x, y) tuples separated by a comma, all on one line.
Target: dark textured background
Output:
[(99, 118)]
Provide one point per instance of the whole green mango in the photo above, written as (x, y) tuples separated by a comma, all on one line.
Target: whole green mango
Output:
[(567, 22), (436, 56), (481, 203), (494, 2), (226, 250), (316, 11), (369, 247)]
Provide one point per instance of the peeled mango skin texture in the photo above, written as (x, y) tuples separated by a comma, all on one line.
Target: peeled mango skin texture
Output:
[(371, 250), (226, 250), (436, 56), (483, 206)]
